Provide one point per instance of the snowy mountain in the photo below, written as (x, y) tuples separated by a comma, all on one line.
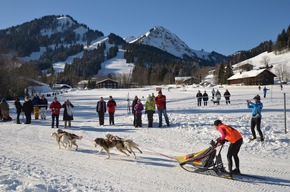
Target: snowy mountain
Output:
[(165, 40)]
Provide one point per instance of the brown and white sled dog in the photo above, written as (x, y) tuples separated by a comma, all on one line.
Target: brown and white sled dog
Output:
[(128, 143), (107, 144), (65, 138)]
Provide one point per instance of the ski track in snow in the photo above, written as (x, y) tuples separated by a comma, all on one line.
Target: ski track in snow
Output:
[(31, 161)]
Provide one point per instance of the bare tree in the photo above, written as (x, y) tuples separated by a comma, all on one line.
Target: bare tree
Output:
[(282, 72), (265, 61)]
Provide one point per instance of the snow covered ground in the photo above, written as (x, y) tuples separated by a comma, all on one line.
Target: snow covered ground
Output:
[(31, 161)]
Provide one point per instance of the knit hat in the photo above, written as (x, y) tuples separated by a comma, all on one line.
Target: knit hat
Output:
[(217, 122), (257, 97)]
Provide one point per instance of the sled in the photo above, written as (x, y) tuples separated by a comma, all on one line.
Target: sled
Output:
[(205, 161)]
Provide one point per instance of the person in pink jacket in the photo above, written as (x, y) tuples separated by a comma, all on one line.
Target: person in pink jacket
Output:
[(138, 108), (55, 107)]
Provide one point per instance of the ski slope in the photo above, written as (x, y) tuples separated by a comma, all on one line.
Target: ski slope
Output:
[(31, 161)]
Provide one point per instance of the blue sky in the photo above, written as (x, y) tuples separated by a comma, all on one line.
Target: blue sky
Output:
[(225, 26)]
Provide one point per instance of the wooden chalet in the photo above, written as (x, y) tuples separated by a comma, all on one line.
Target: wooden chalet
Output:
[(107, 83), (253, 77), (187, 80)]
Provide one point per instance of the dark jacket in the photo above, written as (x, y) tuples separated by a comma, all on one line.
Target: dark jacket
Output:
[(205, 97), (101, 107), (66, 116), (227, 94), (43, 103), (18, 106), (199, 95), (28, 107)]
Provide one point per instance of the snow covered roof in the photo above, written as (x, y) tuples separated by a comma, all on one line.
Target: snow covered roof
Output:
[(61, 86), (83, 82), (248, 74), (108, 79), (37, 82), (183, 78)]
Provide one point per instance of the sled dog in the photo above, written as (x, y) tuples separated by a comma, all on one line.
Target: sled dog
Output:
[(65, 138), (128, 143), (107, 144), (215, 102)]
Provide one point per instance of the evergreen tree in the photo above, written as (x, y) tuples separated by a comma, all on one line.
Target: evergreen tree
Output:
[(229, 72)]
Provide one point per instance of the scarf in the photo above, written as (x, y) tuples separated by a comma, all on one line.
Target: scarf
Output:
[(69, 110)]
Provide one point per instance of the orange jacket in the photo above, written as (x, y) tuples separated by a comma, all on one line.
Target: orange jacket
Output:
[(229, 133)]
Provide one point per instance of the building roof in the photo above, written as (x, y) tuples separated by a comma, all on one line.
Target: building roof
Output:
[(248, 74), (83, 82), (106, 80), (183, 78), (60, 86)]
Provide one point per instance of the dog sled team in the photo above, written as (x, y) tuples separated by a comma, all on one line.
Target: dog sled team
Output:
[(125, 146)]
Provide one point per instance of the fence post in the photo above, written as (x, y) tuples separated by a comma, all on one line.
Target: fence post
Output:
[(285, 117)]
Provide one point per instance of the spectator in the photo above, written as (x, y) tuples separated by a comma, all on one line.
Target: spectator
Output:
[(111, 105), (43, 104), (138, 108), (199, 98), (205, 98), (55, 107), (265, 91), (218, 96), (213, 93), (227, 96), (19, 108), (101, 110), (27, 109), (35, 101), (150, 109), (160, 102), (67, 113), (134, 102), (4, 108)]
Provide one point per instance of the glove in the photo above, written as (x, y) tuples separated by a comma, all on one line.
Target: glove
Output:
[(221, 142)]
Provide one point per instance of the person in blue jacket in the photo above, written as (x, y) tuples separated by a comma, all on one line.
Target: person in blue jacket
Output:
[(265, 91), (256, 107)]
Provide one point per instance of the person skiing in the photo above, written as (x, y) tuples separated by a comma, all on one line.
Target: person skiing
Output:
[(236, 140), (256, 107), (227, 96), (138, 108), (205, 98), (199, 97), (101, 110), (160, 102), (150, 109), (111, 105)]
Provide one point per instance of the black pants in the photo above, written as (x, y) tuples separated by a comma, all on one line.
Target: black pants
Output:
[(28, 117), (233, 151), (199, 102), (205, 103), (228, 100), (18, 115), (55, 117), (111, 118), (138, 120), (256, 122), (101, 118), (150, 118)]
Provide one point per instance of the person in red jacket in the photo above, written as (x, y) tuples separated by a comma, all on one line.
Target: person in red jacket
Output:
[(55, 107), (111, 105), (235, 138), (160, 102)]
